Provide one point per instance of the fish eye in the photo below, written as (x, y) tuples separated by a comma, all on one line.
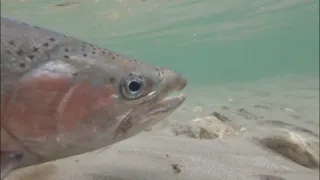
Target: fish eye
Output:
[(134, 86), (131, 87)]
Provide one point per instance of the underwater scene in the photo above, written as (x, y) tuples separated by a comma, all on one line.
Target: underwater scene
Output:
[(247, 72)]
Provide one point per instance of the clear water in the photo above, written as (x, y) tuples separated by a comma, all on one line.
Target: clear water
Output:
[(210, 41)]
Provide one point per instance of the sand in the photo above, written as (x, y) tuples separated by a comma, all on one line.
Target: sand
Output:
[(264, 130)]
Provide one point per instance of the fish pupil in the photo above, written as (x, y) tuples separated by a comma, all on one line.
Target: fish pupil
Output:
[(134, 86)]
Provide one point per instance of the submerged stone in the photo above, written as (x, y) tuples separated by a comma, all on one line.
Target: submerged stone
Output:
[(208, 127), (293, 146)]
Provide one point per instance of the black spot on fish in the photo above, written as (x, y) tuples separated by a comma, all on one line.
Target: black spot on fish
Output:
[(103, 52), (66, 50), (35, 49), (75, 74), (22, 65), (46, 44), (20, 52), (113, 57), (66, 56), (117, 55), (112, 80), (51, 39), (93, 52), (31, 56), (84, 55), (11, 42)]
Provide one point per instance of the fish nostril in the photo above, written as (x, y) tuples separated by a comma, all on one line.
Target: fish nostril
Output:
[(176, 81)]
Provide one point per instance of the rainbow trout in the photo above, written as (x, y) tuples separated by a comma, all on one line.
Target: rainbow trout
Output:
[(61, 96)]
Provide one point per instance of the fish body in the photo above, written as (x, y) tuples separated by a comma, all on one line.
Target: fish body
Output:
[(61, 96)]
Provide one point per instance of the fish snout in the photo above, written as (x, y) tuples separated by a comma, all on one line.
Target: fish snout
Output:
[(181, 81), (175, 80)]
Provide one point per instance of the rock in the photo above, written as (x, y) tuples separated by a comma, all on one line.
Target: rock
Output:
[(281, 124), (65, 4), (296, 148), (247, 115), (221, 117), (208, 127), (270, 177), (261, 106), (288, 109), (230, 99), (225, 107), (294, 116), (198, 109)]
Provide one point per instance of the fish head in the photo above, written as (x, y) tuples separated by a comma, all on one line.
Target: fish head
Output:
[(143, 98), (134, 93), (78, 97), (61, 96)]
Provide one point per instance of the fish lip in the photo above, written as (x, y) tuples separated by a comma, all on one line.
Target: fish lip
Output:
[(163, 103), (167, 104)]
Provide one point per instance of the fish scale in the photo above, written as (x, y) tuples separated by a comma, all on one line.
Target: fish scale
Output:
[(61, 96)]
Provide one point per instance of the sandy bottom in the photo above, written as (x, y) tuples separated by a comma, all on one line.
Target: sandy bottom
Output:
[(266, 130)]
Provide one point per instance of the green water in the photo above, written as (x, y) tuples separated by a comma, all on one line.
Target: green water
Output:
[(210, 41)]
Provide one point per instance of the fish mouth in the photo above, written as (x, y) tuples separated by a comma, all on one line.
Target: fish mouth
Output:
[(167, 105), (160, 110), (158, 104)]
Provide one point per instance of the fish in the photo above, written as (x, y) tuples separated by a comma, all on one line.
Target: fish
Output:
[(62, 96)]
